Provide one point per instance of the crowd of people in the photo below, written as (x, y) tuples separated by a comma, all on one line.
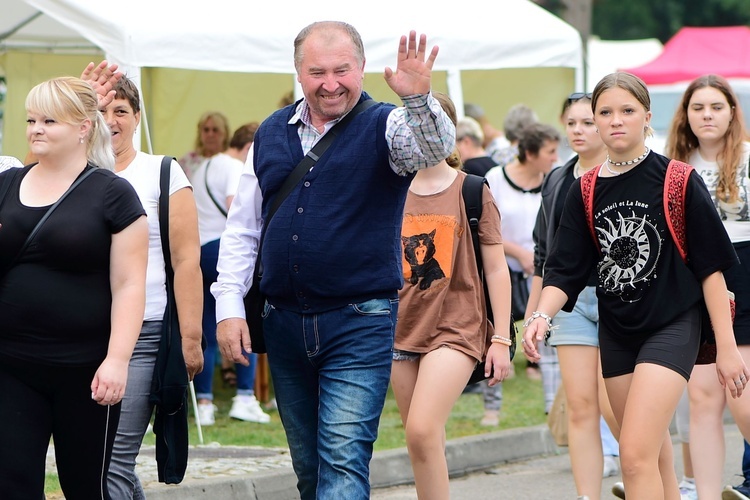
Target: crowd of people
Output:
[(352, 307)]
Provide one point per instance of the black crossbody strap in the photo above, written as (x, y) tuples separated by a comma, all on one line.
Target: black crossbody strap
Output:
[(312, 157), (164, 177), (49, 211), (211, 195), (304, 166)]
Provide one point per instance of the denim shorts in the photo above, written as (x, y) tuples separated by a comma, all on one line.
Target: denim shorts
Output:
[(399, 355), (581, 325)]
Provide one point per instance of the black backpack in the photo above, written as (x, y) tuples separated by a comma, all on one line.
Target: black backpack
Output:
[(472, 191)]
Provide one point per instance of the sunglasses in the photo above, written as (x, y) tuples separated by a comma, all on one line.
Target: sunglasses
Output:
[(577, 96)]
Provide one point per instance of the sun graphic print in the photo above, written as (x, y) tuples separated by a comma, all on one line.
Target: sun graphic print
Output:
[(631, 247)]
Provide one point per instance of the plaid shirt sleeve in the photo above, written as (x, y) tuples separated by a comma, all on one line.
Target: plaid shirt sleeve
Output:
[(419, 134)]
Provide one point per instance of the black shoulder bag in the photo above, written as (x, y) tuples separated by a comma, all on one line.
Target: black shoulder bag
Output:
[(169, 384), (255, 300)]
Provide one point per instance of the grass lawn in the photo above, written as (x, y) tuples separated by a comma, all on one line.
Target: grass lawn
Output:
[(523, 405)]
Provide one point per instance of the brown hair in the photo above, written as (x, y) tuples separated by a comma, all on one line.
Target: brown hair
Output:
[(533, 138), (627, 82), (454, 160), (244, 135), (126, 89), (682, 141)]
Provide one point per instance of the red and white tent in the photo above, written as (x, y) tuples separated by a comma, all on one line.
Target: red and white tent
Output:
[(693, 52)]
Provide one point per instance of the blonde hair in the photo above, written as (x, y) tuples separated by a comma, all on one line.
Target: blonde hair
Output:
[(221, 121), (71, 100)]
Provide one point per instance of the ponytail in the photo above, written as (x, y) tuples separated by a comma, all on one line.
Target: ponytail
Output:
[(99, 144)]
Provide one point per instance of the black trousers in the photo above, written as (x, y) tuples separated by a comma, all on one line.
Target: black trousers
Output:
[(38, 402)]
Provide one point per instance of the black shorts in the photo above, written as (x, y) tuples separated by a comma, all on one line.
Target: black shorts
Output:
[(674, 346), (738, 282)]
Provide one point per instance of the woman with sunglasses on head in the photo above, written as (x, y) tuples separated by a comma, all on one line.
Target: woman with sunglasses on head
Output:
[(708, 132), (576, 338), (649, 299)]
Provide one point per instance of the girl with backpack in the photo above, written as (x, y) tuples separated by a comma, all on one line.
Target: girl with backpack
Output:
[(442, 330), (649, 298)]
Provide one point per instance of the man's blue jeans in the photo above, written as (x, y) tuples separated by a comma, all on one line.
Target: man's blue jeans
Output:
[(330, 376)]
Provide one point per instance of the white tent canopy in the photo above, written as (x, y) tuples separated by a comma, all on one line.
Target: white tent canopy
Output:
[(608, 56), (228, 35), (255, 38), (23, 27)]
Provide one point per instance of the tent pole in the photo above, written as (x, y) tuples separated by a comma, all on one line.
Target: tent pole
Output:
[(456, 91)]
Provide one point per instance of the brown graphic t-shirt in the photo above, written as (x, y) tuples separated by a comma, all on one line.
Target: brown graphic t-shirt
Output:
[(442, 301)]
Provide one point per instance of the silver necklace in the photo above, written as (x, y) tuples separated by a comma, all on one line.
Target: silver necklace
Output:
[(613, 172), (629, 162)]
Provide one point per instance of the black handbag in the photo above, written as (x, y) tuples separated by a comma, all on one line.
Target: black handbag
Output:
[(255, 300), (169, 385)]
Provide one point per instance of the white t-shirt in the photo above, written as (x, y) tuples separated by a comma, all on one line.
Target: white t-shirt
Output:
[(223, 179), (735, 216), (7, 162), (143, 175), (518, 209)]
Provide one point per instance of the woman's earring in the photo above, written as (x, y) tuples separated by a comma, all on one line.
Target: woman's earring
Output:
[(81, 140)]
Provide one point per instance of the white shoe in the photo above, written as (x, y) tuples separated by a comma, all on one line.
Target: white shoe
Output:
[(688, 491), (611, 467), (205, 414), (247, 408)]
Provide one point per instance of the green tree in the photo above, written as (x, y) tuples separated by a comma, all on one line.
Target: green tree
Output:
[(634, 19)]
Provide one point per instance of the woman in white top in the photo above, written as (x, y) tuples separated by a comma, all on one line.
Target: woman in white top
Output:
[(215, 184), (708, 132), (7, 162), (142, 171)]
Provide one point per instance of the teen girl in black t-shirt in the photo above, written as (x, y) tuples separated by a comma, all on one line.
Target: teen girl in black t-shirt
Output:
[(649, 299)]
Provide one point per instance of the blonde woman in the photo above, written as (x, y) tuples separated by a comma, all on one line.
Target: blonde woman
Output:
[(72, 302)]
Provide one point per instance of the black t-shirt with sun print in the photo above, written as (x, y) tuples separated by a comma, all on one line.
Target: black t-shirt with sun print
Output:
[(643, 283)]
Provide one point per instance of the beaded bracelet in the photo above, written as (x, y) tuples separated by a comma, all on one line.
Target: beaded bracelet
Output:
[(498, 339), (538, 314)]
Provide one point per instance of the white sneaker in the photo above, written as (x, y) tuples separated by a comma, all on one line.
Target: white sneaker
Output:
[(247, 408), (611, 467), (688, 491), (205, 414)]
